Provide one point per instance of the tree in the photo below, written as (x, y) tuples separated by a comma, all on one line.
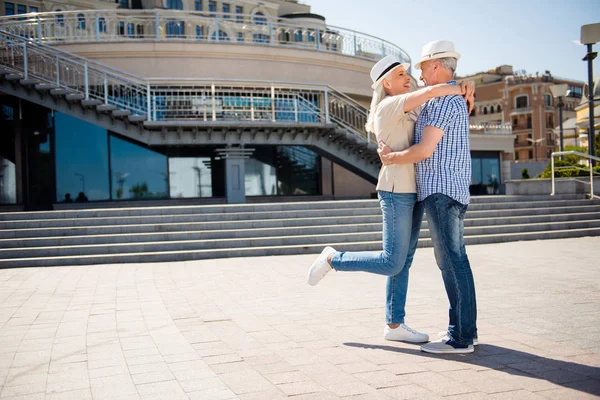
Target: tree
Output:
[(524, 174)]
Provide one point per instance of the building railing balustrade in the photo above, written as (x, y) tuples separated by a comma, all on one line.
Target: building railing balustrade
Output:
[(93, 26)]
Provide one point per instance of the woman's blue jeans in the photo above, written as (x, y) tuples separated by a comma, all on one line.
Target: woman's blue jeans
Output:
[(402, 217)]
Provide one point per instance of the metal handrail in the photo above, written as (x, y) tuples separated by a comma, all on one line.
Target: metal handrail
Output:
[(113, 25), (589, 157), (198, 100)]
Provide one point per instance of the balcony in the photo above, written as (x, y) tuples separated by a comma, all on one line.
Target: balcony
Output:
[(496, 129), (97, 26), (521, 110)]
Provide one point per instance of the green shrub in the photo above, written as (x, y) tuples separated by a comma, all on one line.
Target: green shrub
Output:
[(524, 174)]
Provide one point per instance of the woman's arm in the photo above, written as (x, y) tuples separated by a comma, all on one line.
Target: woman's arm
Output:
[(421, 96)]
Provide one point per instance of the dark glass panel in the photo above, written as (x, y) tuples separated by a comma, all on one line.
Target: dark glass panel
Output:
[(137, 172), (81, 160)]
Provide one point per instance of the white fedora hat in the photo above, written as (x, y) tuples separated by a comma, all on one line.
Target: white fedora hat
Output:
[(437, 49), (384, 67)]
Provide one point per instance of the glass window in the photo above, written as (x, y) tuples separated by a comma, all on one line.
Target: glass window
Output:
[(260, 19), (175, 29), (212, 6), (298, 36), (190, 177), (60, 19), (8, 172), (9, 9), (575, 91), (131, 29), (137, 172), (240, 36), (298, 171), (199, 32), (80, 21), (548, 100), (33, 9), (198, 5), (485, 178), (522, 102), (311, 36), (175, 4), (222, 36), (21, 9), (260, 38), (102, 25), (124, 3), (261, 179), (121, 28), (485, 110), (226, 10), (239, 11), (529, 125), (81, 160), (499, 108)]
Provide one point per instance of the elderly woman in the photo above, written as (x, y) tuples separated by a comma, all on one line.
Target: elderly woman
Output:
[(394, 110)]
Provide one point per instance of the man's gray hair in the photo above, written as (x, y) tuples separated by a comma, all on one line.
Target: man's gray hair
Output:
[(449, 63)]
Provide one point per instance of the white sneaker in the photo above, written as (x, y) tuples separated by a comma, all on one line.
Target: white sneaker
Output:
[(320, 267), (446, 347), (404, 333), (444, 336)]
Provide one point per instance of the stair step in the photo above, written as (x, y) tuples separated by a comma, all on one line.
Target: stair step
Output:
[(137, 118), (75, 96), (45, 86), (121, 113), (60, 91), (271, 232), (29, 81), (13, 77), (261, 237), (258, 215), (186, 255), (105, 108), (90, 102)]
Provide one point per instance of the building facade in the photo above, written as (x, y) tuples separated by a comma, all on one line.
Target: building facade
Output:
[(525, 102), (190, 101)]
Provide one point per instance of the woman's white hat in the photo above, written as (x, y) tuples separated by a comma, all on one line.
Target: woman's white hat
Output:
[(384, 67), (437, 49)]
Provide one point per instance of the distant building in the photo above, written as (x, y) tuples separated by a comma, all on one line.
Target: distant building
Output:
[(525, 102)]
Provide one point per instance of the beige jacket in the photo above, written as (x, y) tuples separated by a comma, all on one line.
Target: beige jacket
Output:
[(396, 129)]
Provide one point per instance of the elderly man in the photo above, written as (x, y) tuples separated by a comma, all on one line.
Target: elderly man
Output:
[(442, 160)]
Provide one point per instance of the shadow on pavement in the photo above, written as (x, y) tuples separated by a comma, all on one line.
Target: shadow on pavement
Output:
[(571, 375)]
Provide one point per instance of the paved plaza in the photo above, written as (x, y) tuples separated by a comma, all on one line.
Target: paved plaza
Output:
[(251, 328)]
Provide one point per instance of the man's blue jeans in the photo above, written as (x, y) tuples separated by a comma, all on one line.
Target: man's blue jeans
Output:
[(446, 225), (402, 217)]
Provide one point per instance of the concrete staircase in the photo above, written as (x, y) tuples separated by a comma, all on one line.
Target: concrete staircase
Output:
[(179, 233)]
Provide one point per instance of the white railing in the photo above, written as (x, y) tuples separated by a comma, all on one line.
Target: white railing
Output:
[(499, 129), (170, 25), (177, 100), (590, 160)]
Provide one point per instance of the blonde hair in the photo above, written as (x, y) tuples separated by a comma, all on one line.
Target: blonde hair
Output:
[(378, 95)]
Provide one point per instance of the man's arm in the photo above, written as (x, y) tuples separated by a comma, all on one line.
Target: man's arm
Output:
[(416, 152)]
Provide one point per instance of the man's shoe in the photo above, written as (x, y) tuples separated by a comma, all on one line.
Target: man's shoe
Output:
[(320, 267), (444, 336), (403, 333), (447, 347)]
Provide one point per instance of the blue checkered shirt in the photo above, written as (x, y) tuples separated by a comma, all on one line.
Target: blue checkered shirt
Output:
[(448, 170)]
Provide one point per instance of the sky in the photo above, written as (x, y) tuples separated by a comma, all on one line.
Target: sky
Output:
[(531, 35)]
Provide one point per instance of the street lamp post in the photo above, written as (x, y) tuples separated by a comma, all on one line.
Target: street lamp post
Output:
[(590, 35), (559, 92), (535, 142)]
